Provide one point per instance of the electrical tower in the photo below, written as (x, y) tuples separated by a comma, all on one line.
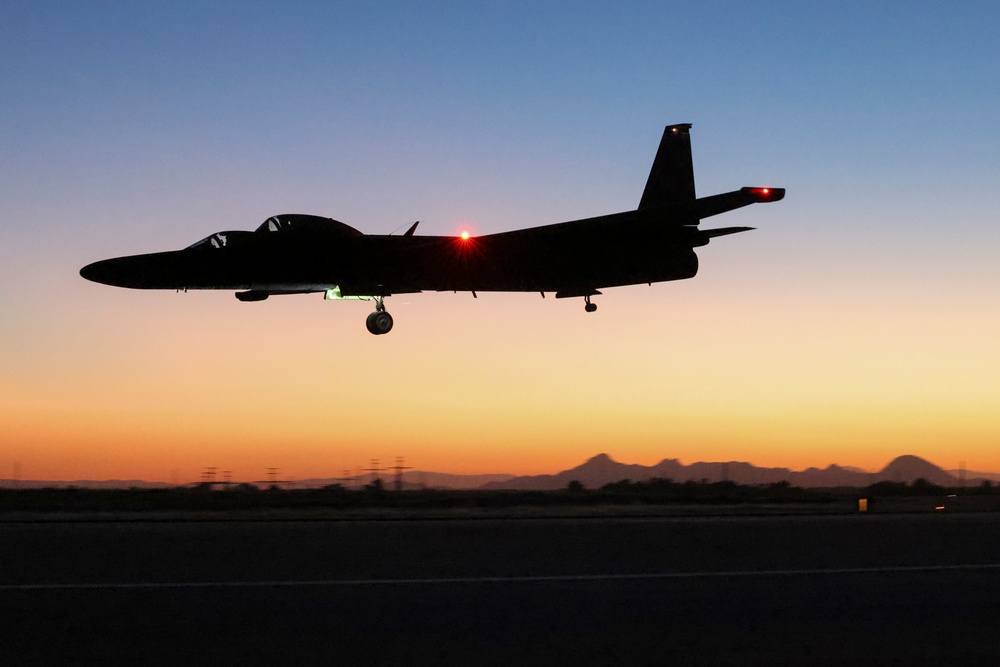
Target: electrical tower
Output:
[(374, 469), (398, 469), (273, 479)]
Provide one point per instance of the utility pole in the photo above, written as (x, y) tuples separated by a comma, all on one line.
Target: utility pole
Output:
[(272, 479), (399, 468), (374, 470)]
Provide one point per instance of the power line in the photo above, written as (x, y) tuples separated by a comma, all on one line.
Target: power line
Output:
[(399, 468)]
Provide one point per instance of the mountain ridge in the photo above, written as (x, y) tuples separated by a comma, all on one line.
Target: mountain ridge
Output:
[(602, 469)]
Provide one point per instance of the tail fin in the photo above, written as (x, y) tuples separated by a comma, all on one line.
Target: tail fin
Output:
[(671, 180)]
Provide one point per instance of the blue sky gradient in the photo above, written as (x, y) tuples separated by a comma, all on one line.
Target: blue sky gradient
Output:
[(873, 288)]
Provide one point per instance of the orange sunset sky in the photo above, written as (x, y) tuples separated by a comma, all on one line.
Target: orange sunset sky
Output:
[(860, 320)]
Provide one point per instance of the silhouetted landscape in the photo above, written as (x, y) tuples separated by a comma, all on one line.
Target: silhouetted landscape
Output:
[(599, 482), (600, 470)]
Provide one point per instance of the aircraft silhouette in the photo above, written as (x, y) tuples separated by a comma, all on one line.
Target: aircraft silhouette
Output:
[(299, 254)]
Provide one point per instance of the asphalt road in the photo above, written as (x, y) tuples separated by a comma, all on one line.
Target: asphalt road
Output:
[(886, 589)]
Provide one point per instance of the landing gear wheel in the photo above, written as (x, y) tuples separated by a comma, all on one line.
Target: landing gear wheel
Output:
[(379, 322), (589, 307)]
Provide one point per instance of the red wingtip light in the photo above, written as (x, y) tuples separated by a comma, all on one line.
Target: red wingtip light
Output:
[(465, 235)]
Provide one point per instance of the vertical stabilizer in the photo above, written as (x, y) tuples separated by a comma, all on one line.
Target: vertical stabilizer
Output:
[(671, 180)]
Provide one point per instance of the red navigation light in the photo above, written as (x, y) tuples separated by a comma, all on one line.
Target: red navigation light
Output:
[(464, 232), (765, 194)]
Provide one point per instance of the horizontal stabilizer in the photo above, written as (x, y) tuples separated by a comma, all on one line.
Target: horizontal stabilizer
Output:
[(764, 195), (706, 207), (724, 231)]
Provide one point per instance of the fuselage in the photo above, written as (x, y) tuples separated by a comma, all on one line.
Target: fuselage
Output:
[(295, 253), (304, 253)]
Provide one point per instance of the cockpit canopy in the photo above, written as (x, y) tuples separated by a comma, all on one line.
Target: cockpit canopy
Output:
[(293, 223), (281, 226), (221, 240)]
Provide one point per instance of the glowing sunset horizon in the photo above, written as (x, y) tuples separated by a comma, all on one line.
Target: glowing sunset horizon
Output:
[(857, 322)]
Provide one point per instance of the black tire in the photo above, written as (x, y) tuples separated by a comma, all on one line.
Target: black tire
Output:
[(379, 322)]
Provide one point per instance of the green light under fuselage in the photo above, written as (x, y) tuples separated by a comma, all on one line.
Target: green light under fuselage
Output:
[(333, 294)]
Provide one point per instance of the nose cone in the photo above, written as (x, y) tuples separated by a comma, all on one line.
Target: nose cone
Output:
[(103, 272), (177, 269), (155, 271)]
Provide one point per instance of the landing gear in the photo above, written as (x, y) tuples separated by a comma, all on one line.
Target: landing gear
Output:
[(379, 322), (588, 306)]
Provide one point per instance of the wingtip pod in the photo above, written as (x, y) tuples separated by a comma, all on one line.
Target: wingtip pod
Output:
[(764, 195)]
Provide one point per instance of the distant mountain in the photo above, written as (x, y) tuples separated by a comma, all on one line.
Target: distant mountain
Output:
[(596, 471), (908, 468), (441, 480), (602, 469)]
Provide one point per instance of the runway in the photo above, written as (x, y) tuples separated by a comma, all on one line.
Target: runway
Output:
[(736, 590)]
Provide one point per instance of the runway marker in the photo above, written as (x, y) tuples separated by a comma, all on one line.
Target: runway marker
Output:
[(544, 578)]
